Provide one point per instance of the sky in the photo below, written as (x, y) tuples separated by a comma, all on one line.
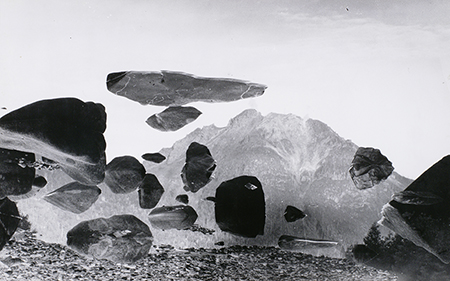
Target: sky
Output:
[(377, 72)]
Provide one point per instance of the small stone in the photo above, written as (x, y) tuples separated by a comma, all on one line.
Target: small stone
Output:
[(124, 174), (173, 118)]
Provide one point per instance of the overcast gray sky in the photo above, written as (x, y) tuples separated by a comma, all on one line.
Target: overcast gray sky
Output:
[(377, 72)]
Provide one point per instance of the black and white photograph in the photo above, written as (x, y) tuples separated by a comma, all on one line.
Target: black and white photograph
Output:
[(224, 140)]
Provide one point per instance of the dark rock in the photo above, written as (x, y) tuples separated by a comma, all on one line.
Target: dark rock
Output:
[(420, 213), (9, 220), (48, 161), (423, 198), (199, 166), (220, 243), (65, 130), (369, 167), (293, 243), (16, 177), (154, 157), (173, 118), (177, 217), (39, 181), (292, 214), (122, 238), (74, 197), (240, 210), (124, 174), (362, 253), (150, 192), (183, 198), (168, 88), (211, 198), (204, 230)]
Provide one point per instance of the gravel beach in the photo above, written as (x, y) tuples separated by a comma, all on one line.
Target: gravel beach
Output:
[(27, 258)]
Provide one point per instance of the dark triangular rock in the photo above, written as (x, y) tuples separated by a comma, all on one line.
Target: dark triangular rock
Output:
[(183, 198), (199, 166), (65, 130), (240, 210), (154, 157), (421, 214), (124, 174), (39, 182), (369, 167), (173, 217), (173, 118), (150, 192), (16, 175), (9, 220), (74, 197), (122, 238), (292, 214)]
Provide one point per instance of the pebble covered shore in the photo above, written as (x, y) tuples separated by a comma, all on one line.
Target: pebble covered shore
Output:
[(27, 258)]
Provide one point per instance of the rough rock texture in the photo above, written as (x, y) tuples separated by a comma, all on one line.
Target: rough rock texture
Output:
[(65, 130), (197, 171), (121, 238), (150, 192), (310, 246), (240, 207), (369, 167), (16, 178), (183, 198), (9, 220), (173, 118), (421, 214), (154, 157), (176, 217), (74, 197), (124, 174), (168, 88)]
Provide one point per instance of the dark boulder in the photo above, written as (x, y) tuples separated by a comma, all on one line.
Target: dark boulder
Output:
[(74, 197), (150, 192), (9, 220), (421, 212), (240, 210), (39, 182), (173, 217), (169, 88), (124, 174), (183, 198), (16, 175), (66, 130), (292, 214), (369, 167), (154, 157), (199, 166), (122, 238), (173, 118)]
